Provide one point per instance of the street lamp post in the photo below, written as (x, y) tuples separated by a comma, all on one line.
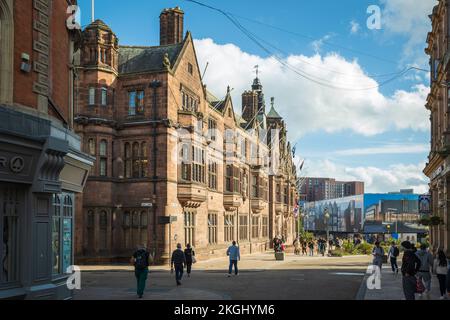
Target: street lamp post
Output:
[(327, 218)]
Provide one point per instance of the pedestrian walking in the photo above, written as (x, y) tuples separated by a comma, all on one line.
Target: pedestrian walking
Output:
[(311, 248), (178, 262), (410, 266), (424, 274), (189, 253), (141, 261), (393, 254), (440, 269), (234, 254), (297, 246), (304, 248), (378, 254)]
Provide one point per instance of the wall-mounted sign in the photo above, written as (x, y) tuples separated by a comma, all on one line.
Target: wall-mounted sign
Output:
[(147, 205), (167, 220), (14, 164), (425, 204)]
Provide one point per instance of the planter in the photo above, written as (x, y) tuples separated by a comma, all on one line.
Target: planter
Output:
[(279, 256)]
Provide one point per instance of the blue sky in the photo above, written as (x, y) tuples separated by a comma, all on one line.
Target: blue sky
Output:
[(379, 136)]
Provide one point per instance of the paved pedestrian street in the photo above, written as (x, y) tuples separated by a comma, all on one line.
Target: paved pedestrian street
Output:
[(260, 278)]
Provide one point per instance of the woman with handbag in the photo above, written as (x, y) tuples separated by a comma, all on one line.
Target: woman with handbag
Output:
[(190, 259)]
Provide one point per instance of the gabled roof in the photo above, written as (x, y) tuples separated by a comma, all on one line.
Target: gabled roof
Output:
[(146, 59)]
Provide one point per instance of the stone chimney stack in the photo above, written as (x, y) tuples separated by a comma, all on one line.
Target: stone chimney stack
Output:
[(171, 26)]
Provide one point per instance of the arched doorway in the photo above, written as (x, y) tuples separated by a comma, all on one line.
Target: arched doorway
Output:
[(6, 51)]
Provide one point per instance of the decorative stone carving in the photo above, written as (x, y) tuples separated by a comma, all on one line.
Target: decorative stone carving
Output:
[(166, 61)]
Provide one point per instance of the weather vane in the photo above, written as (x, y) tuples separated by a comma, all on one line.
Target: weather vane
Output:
[(257, 70)]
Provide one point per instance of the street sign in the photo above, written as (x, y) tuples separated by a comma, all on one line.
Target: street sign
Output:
[(425, 204), (147, 205), (395, 236), (167, 220)]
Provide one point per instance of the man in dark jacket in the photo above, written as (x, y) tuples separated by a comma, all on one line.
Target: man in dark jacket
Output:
[(140, 260), (178, 261), (410, 266), (189, 253)]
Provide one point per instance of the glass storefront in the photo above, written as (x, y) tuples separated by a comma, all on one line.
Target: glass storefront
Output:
[(62, 232)]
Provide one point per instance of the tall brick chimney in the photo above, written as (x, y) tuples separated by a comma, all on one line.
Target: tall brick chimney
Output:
[(171, 26)]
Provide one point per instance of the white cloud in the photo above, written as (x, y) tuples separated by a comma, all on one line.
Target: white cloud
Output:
[(317, 44), (377, 180), (386, 149), (354, 27), (409, 18), (308, 107)]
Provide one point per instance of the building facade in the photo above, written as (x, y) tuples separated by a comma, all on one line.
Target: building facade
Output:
[(42, 168), (318, 189), (438, 166), (174, 163)]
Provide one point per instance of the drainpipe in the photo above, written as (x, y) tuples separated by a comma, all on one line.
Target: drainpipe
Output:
[(155, 84)]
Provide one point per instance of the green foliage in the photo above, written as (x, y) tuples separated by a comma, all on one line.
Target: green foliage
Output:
[(364, 248), (306, 236), (337, 253)]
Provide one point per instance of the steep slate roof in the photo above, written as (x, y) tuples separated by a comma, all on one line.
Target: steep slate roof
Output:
[(146, 59)]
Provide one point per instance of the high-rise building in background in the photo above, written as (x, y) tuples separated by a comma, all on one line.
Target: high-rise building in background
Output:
[(318, 189)]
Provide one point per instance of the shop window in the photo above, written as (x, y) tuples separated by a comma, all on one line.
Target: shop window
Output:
[(62, 232)]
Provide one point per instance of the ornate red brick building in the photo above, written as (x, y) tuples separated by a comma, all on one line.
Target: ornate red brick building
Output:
[(169, 150)]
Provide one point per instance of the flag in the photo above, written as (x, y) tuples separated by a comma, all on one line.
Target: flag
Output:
[(301, 167)]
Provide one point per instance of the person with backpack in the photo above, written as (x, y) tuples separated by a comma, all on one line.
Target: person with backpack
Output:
[(141, 261), (178, 261), (378, 254), (440, 269), (393, 254), (410, 266), (234, 254), (427, 261), (189, 253)]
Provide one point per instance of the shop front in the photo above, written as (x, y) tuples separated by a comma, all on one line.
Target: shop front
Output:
[(41, 170)]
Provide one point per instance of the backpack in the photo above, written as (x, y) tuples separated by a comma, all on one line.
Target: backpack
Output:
[(396, 252), (409, 263), (141, 259)]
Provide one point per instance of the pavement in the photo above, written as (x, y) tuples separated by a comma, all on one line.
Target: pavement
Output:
[(260, 278), (391, 287)]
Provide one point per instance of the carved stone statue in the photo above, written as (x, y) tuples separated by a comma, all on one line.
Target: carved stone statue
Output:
[(166, 61)]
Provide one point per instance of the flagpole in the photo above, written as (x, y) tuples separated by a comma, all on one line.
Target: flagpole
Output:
[(93, 10)]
